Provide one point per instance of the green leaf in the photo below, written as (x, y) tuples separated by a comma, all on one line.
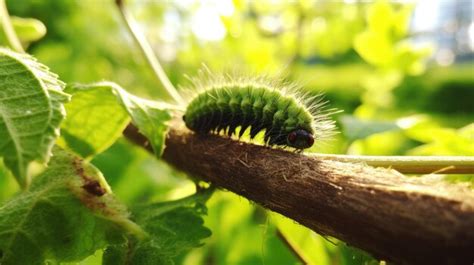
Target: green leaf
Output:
[(374, 48), (411, 59), (379, 17), (355, 129), (66, 215), (382, 44), (95, 120), (174, 228), (31, 109), (149, 116)]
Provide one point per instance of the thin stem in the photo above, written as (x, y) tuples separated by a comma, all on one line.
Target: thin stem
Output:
[(292, 247), (7, 27), (411, 164), (147, 52), (131, 227)]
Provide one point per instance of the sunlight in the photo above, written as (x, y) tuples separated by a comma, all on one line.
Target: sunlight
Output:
[(206, 22), (425, 15)]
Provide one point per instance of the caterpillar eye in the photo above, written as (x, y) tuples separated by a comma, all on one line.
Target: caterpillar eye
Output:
[(300, 139)]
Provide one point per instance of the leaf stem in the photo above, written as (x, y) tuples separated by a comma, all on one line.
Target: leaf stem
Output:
[(411, 164), (131, 227), (147, 52), (6, 24)]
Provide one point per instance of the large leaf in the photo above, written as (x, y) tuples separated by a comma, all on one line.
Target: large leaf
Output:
[(174, 227), (95, 120), (102, 125), (66, 215), (31, 109), (149, 116)]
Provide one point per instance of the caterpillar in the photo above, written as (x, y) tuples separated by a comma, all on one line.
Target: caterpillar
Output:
[(288, 117)]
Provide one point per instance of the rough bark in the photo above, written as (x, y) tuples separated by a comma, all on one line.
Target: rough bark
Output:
[(405, 220)]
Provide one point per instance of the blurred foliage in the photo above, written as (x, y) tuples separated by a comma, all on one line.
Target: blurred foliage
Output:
[(382, 45), (396, 101), (28, 30)]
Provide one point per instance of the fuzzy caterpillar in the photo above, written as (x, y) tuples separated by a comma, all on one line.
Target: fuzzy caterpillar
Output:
[(288, 118)]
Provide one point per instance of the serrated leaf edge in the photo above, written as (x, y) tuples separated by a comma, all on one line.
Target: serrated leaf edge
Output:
[(52, 87)]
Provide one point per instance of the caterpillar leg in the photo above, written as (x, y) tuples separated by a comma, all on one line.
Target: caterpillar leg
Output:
[(298, 151)]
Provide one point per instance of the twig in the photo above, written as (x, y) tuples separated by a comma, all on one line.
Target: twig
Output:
[(294, 249), (147, 52), (7, 27), (411, 164)]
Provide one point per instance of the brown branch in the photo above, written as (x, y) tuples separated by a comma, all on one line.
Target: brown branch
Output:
[(394, 217)]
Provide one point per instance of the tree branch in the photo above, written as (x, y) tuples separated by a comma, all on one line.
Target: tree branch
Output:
[(396, 218)]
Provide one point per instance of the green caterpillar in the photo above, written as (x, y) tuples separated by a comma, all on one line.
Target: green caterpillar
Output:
[(225, 103)]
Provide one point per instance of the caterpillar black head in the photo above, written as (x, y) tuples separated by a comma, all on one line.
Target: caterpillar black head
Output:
[(300, 139)]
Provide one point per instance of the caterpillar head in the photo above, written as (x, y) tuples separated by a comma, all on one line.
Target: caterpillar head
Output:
[(300, 139)]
